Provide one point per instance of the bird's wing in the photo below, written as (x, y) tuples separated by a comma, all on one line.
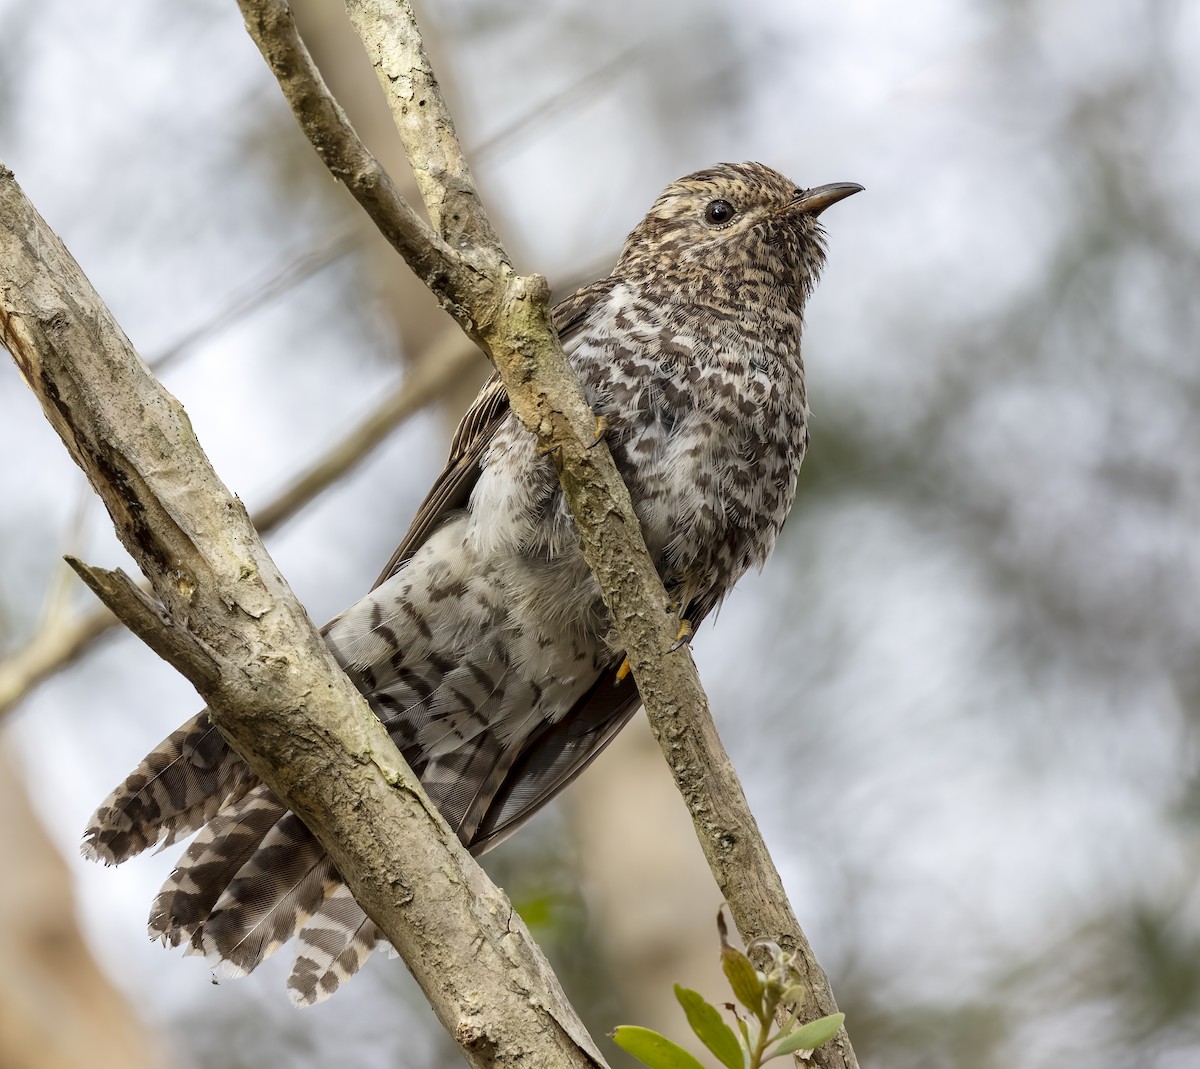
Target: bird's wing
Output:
[(559, 752), (555, 756), (452, 488)]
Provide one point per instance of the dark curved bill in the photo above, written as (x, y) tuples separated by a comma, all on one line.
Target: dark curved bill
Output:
[(814, 201)]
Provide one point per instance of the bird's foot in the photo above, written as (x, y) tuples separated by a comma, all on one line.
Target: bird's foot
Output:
[(624, 670), (601, 431), (683, 638)]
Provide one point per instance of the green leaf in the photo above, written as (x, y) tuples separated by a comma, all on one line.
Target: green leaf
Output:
[(712, 1031), (651, 1049), (810, 1036), (743, 979)]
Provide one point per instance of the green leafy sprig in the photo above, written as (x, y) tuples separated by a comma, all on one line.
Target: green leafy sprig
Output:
[(754, 1042)]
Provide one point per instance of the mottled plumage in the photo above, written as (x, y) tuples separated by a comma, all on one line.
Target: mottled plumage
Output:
[(484, 646)]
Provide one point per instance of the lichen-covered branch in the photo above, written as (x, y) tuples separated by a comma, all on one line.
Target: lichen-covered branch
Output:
[(267, 676), (508, 315)]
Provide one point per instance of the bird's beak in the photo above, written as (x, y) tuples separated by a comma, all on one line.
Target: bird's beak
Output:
[(815, 201)]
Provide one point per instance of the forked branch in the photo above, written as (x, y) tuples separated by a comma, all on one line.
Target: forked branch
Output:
[(509, 317)]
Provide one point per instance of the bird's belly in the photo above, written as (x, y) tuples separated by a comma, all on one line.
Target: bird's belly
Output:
[(699, 493)]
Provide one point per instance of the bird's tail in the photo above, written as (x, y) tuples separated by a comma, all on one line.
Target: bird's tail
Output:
[(251, 879), (180, 786)]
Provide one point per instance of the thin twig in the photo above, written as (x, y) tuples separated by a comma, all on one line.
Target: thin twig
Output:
[(583, 91), (252, 298), (449, 358), (143, 616)]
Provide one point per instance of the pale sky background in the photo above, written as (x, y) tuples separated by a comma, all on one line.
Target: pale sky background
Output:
[(958, 696)]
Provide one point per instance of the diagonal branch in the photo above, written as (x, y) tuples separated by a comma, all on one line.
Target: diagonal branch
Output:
[(268, 678), (508, 316), (393, 42), (326, 125)]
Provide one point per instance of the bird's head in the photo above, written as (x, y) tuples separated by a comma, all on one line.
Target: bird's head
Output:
[(738, 220)]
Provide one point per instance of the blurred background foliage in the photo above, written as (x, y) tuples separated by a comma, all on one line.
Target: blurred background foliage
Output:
[(964, 696)]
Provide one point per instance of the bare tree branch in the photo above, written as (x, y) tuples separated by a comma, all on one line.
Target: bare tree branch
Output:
[(62, 640), (508, 316), (325, 124), (272, 684), (393, 42), (449, 358)]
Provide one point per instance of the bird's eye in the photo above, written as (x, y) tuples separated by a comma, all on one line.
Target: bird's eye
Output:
[(718, 213)]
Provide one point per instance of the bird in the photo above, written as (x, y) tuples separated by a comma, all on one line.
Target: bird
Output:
[(484, 646)]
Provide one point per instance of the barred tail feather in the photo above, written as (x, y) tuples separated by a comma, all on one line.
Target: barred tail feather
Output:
[(331, 948), (180, 786), (280, 886), (214, 858)]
